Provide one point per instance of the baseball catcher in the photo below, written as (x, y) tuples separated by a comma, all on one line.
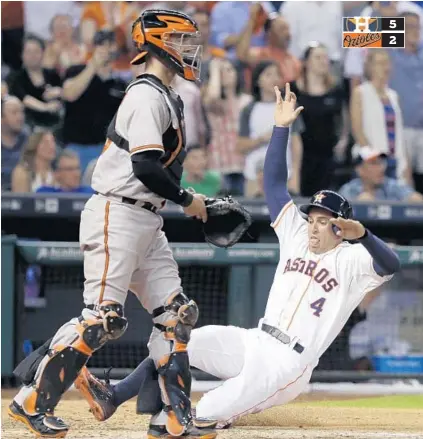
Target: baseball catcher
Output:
[(123, 245)]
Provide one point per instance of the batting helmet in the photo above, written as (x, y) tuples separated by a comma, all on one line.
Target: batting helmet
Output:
[(330, 201), (172, 37)]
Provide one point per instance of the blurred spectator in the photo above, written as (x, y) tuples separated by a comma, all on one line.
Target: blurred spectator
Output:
[(115, 16), (196, 126), (4, 89), (315, 21), (228, 19), (38, 88), (12, 33), (92, 96), (35, 166), (372, 184), (259, 180), (63, 50), (224, 101), (324, 113), (197, 176), (13, 137), (355, 58), (392, 9), (38, 15), (278, 38), (376, 116), (202, 19), (180, 6), (67, 175), (256, 125), (407, 80)]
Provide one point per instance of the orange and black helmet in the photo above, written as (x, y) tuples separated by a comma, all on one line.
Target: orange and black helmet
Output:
[(170, 36)]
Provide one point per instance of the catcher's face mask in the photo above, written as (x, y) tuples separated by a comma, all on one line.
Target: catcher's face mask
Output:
[(188, 49), (173, 38)]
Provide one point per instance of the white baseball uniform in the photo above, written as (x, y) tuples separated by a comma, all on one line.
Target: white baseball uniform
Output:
[(137, 255), (310, 300), (123, 244)]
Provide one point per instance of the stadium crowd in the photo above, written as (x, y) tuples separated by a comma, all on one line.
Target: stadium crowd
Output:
[(65, 66)]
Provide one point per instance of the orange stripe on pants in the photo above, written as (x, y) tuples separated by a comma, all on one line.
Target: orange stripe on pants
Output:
[(106, 251)]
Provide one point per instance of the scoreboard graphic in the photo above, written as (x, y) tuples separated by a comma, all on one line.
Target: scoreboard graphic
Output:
[(373, 32)]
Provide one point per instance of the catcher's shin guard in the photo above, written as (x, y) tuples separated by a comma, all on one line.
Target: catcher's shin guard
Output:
[(177, 319), (58, 370)]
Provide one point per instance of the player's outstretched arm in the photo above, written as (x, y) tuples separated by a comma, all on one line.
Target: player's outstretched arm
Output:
[(275, 166), (385, 260)]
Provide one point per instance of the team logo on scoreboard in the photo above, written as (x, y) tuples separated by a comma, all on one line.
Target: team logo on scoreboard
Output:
[(373, 32), (362, 32), (362, 24)]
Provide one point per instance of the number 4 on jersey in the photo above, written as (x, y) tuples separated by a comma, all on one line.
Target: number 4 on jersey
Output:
[(318, 306)]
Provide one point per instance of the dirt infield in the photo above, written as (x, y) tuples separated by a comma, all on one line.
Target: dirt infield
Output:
[(293, 421)]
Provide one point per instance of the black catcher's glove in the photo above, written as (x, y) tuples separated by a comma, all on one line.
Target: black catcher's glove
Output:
[(227, 221)]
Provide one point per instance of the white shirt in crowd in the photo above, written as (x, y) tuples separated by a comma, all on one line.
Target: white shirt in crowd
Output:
[(314, 21), (38, 15), (261, 122)]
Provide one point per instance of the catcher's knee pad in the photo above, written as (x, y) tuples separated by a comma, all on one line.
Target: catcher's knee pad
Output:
[(109, 324), (177, 318)]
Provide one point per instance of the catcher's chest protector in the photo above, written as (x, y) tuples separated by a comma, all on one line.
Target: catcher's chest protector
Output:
[(174, 137)]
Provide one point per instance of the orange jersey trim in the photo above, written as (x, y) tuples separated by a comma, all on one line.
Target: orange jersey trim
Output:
[(144, 148), (280, 216)]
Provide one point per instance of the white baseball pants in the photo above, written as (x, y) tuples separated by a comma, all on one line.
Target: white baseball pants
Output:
[(259, 371)]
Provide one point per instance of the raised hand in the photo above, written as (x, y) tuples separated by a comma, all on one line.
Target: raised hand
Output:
[(285, 111)]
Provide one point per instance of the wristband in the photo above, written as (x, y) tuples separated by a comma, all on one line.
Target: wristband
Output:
[(186, 198)]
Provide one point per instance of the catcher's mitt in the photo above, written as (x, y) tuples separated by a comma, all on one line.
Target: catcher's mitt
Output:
[(227, 221)]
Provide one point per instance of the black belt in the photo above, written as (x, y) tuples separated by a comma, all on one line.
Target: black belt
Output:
[(146, 205), (281, 336), (132, 201)]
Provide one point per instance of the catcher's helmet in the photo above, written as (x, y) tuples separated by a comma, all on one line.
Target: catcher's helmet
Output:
[(331, 201), (172, 37)]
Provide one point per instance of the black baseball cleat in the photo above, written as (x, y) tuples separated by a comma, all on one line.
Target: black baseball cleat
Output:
[(41, 425), (160, 432), (99, 394)]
